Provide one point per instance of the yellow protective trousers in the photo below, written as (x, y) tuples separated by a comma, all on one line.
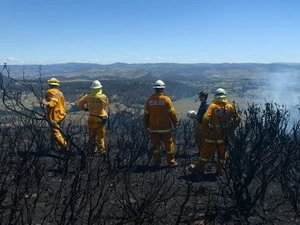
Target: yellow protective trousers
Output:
[(168, 142), (207, 151), (97, 136), (56, 134)]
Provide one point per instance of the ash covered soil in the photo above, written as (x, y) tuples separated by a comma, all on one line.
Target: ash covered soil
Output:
[(58, 188)]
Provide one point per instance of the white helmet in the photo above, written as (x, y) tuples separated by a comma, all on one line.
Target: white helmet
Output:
[(191, 114), (220, 92), (159, 84), (96, 84)]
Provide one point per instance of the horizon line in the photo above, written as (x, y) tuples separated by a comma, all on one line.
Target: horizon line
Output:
[(113, 63)]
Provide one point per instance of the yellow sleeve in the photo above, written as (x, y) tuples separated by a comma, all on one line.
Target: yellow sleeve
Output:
[(52, 102), (51, 98), (172, 112), (81, 103), (207, 116), (236, 117)]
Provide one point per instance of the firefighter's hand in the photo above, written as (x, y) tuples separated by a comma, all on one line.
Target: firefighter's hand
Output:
[(44, 102)]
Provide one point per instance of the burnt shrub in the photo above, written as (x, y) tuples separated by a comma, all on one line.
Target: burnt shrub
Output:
[(262, 153), (43, 184)]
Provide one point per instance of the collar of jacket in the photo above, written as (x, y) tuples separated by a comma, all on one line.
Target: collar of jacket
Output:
[(222, 99), (96, 91)]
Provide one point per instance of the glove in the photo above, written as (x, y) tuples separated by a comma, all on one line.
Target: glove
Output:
[(73, 107)]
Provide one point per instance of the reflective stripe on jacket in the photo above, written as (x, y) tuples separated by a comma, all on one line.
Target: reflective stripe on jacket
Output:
[(219, 119), (96, 104), (159, 114)]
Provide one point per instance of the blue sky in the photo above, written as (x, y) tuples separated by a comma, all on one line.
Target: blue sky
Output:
[(149, 31)]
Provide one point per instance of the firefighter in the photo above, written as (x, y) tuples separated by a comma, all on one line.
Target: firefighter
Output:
[(56, 110), (218, 121), (160, 116), (96, 103), (199, 131)]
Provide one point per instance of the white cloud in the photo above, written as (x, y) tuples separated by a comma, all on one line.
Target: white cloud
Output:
[(12, 60)]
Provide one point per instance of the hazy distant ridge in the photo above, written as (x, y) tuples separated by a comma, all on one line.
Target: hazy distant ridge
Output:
[(163, 70)]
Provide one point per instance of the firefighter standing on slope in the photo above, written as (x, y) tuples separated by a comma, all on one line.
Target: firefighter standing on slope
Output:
[(96, 104), (159, 117), (218, 121), (56, 110)]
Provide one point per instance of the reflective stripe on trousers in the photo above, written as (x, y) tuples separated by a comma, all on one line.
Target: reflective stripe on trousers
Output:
[(168, 143)]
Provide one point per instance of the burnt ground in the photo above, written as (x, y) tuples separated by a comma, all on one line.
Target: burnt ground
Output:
[(57, 188)]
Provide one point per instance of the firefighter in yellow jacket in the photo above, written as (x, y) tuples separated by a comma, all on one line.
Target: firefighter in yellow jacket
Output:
[(160, 116), (56, 110), (218, 121), (96, 104)]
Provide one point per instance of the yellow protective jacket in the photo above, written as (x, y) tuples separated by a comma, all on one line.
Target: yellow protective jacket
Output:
[(219, 119), (95, 103), (56, 110), (159, 114)]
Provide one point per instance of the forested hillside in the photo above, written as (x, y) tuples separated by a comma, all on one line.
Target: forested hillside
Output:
[(195, 72), (130, 84)]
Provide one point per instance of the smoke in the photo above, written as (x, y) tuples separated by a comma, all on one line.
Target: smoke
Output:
[(282, 89)]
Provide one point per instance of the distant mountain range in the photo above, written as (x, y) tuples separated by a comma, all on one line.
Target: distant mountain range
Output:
[(149, 71)]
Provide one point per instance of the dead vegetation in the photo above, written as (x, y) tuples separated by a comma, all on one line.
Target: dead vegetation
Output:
[(40, 184)]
